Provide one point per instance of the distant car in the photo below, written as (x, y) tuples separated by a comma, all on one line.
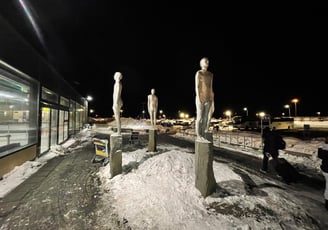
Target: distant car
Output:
[(166, 124)]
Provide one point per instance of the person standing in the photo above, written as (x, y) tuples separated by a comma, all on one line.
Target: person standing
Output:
[(323, 155), (204, 99), (117, 100), (269, 149), (152, 107)]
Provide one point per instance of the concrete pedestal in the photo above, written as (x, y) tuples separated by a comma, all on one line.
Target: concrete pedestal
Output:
[(205, 180), (115, 155), (152, 140)]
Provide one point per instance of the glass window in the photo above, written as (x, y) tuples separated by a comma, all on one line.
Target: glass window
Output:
[(45, 129), (61, 126), (18, 112), (64, 101), (72, 117), (54, 122), (65, 125), (78, 123), (48, 95)]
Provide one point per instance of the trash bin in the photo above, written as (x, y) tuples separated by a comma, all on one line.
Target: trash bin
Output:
[(101, 150)]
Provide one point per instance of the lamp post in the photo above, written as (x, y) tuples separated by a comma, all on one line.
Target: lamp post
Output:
[(261, 114), (295, 100), (89, 98), (246, 110), (288, 107)]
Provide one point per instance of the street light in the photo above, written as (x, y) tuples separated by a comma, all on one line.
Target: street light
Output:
[(228, 114), (261, 114), (295, 100), (288, 107), (245, 109), (89, 98)]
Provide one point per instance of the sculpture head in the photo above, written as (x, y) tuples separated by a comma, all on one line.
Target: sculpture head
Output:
[(152, 91), (118, 76), (204, 63)]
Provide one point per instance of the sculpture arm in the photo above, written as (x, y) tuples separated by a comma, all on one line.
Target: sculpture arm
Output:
[(197, 88), (148, 104), (197, 84)]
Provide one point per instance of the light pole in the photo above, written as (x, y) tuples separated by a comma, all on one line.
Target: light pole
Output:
[(89, 98), (288, 107), (143, 110), (261, 114), (295, 100), (246, 110)]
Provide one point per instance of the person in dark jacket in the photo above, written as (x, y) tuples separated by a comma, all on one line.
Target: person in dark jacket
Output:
[(270, 148), (323, 155)]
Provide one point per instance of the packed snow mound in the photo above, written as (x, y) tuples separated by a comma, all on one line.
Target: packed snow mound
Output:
[(134, 124), (157, 191)]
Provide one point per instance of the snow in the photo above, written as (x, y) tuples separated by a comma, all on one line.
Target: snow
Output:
[(156, 189)]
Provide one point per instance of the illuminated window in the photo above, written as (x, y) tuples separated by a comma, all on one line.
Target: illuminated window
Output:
[(18, 112), (49, 96)]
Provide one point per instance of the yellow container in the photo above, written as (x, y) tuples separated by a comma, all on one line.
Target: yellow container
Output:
[(101, 147)]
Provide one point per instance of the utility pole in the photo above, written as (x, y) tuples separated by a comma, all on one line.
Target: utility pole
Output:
[(143, 109)]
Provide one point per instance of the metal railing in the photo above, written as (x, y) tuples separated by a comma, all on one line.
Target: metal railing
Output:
[(253, 141), (8, 138), (247, 141)]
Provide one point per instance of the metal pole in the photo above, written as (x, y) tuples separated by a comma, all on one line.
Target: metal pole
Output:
[(261, 133), (295, 109)]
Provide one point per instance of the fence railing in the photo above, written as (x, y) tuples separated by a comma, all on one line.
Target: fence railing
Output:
[(253, 141), (247, 141), (6, 137)]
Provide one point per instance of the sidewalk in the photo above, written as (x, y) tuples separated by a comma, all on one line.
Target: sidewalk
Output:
[(63, 194), (13, 199)]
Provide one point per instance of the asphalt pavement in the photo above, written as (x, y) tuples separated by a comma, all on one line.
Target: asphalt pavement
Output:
[(63, 194)]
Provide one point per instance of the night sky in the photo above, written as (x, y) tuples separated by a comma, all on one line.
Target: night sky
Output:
[(261, 58)]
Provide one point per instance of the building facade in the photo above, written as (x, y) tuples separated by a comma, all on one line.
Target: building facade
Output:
[(38, 107)]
